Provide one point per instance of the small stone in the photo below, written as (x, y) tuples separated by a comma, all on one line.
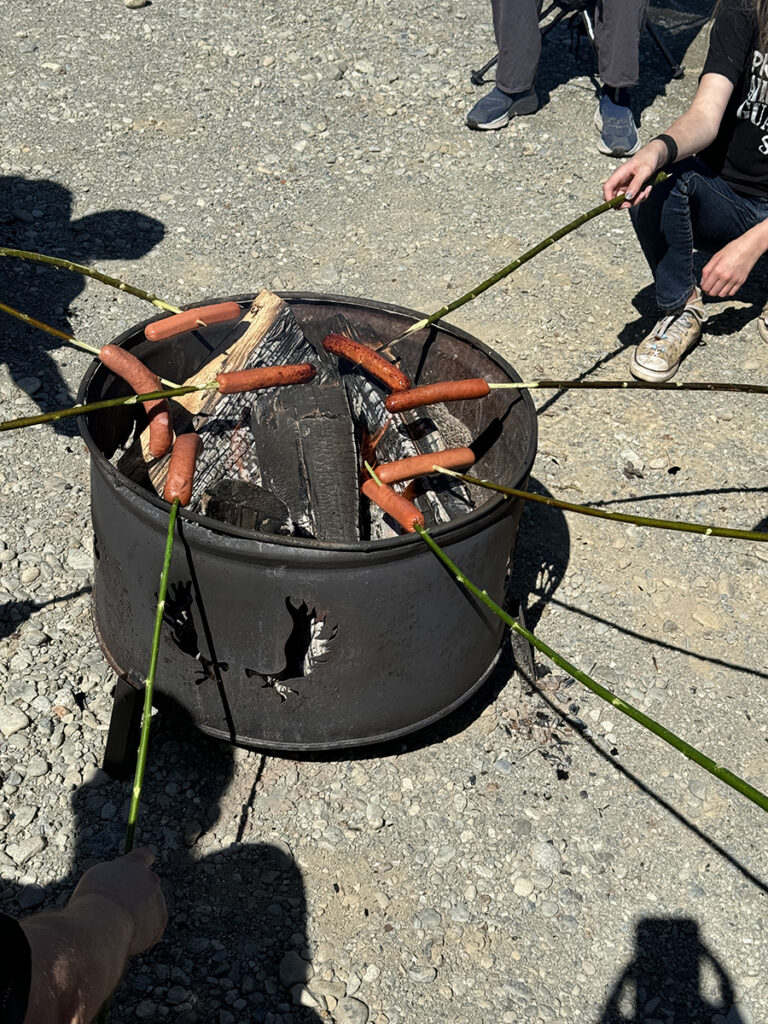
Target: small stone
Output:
[(706, 617), (545, 856), (108, 811), (30, 897), (37, 767), (134, 5), (29, 385), (81, 560), (294, 970), (423, 975), (374, 816), (697, 789), (444, 855), (351, 1011), (301, 996), (428, 920), (12, 720), (523, 887), (23, 851), (176, 995)]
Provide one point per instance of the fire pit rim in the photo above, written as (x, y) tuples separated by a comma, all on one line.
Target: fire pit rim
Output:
[(489, 511)]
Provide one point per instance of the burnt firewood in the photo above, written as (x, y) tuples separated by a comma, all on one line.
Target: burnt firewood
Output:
[(246, 505), (305, 444)]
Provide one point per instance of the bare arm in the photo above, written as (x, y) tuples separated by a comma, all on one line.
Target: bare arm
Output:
[(80, 952), (692, 132)]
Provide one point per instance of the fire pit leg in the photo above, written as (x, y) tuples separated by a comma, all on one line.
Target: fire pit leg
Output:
[(123, 736)]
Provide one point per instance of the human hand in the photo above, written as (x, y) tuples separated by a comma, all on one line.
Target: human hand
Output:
[(128, 882), (632, 177), (729, 268)]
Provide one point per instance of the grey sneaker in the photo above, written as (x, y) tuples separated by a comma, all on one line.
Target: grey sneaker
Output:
[(496, 109), (614, 121), (658, 355)]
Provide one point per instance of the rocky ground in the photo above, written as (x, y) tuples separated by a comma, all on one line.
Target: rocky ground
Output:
[(539, 857)]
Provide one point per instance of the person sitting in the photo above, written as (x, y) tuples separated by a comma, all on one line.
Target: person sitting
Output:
[(716, 201), (60, 966), (618, 25)]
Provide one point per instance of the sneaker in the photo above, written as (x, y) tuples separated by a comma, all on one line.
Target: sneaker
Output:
[(614, 121), (658, 356), (496, 109)]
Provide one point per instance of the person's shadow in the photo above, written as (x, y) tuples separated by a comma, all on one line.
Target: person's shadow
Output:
[(673, 976), (37, 216), (236, 937)]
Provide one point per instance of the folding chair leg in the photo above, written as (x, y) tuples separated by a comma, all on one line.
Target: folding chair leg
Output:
[(677, 69), (477, 76)]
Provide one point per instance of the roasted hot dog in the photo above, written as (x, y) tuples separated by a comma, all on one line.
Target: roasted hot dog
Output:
[(402, 511), (368, 360), (444, 391), (181, 468), (143, 381), (264, 377), (421, 465), (179, 323)]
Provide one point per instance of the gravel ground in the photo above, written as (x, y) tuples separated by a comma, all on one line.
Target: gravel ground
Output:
[(538, 857)]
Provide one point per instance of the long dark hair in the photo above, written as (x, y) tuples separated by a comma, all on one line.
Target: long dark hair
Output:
[(759, 9)]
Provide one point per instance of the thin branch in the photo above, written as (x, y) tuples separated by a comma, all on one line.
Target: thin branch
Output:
[(691, 752), (30, 320), (630, 385), (105, 403), (149, 684), (79, 268), (617, 517), (513, 266)]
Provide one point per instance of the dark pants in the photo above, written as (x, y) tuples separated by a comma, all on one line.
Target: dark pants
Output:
[(618, 24), (692, 209)]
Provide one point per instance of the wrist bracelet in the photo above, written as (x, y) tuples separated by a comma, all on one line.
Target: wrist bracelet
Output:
[(671, 147)]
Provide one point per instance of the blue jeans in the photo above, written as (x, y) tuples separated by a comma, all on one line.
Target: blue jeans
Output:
[(692, 209)]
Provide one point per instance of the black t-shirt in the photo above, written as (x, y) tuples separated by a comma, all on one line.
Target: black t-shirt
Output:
[(739, 154), (15, 971)]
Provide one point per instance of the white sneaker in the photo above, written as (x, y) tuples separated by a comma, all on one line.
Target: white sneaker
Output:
[(658, 355)]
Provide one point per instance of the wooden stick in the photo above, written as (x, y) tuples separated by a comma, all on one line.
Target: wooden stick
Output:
[(105, 403), (631, 385), (513, 266), (724, 774), (79, 268), (617, 517), (149, 684)]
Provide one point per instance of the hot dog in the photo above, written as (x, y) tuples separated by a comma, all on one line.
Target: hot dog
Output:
[(181, 468), (368, 360), (143, 381), (170, 326), (445, 391), (420, 465), (264, 377), (394, 504)]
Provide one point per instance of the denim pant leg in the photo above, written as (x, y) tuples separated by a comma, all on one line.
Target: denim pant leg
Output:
[(692, 209)]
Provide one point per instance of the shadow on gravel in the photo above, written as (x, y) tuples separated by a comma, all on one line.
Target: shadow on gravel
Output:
[(235, 910), (36, 215), (536, 681), (673, 976), (663, 644), (13, 613)]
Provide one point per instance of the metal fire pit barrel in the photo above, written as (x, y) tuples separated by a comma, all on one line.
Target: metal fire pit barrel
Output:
[(404, 643)]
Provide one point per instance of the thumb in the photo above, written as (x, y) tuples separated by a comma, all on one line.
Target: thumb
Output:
[(144, 854)]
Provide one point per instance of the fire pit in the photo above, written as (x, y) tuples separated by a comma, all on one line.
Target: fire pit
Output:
[(397, 643)]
